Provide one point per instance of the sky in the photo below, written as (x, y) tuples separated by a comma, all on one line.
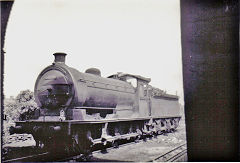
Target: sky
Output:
[(141, 37)]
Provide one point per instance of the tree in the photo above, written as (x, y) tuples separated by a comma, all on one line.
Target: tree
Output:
[(20, 108), (26, 104)]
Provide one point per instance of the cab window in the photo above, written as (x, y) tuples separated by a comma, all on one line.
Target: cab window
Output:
[(132, 81)]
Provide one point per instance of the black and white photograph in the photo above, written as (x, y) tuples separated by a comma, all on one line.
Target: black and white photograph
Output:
[(93, 81), (108, 80)]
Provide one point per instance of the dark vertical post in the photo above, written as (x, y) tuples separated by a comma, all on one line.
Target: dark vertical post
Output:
[(6, 7), (5, 12), (210, 49)]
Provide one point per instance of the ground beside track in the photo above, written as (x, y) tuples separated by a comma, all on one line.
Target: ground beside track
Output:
[(18, 145)]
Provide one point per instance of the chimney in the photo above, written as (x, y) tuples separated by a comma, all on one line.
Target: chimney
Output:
[(59, 57)]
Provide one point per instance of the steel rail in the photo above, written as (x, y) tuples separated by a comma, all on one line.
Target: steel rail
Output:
[(20, 159), (177, 156), (172, 158)]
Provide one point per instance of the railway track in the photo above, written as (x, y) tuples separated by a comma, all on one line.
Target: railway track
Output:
[(46, 156), (31, 158), (178, 154), (81, 157)]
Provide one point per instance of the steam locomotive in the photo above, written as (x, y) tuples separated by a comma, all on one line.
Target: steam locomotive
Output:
[(78, 110)]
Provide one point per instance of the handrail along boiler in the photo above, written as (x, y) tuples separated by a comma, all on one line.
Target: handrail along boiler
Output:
[(79, 109)]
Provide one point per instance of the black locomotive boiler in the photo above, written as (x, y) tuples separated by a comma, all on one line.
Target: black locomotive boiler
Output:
[(78, 110)]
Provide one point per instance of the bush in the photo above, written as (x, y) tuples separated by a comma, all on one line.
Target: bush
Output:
[(20, 108)]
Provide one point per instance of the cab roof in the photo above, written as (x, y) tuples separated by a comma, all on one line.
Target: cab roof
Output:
[(124, 76)]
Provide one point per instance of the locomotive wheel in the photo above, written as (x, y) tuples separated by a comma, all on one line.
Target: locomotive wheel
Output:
[(82, 142), (57, 146), (75, 145), (176, 122), (168, 128), (68, 147), (103, 149), (155, 134), (172, 122), (115, 144), (137, 139), (39, 144), (144, 138), (159, 132)]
